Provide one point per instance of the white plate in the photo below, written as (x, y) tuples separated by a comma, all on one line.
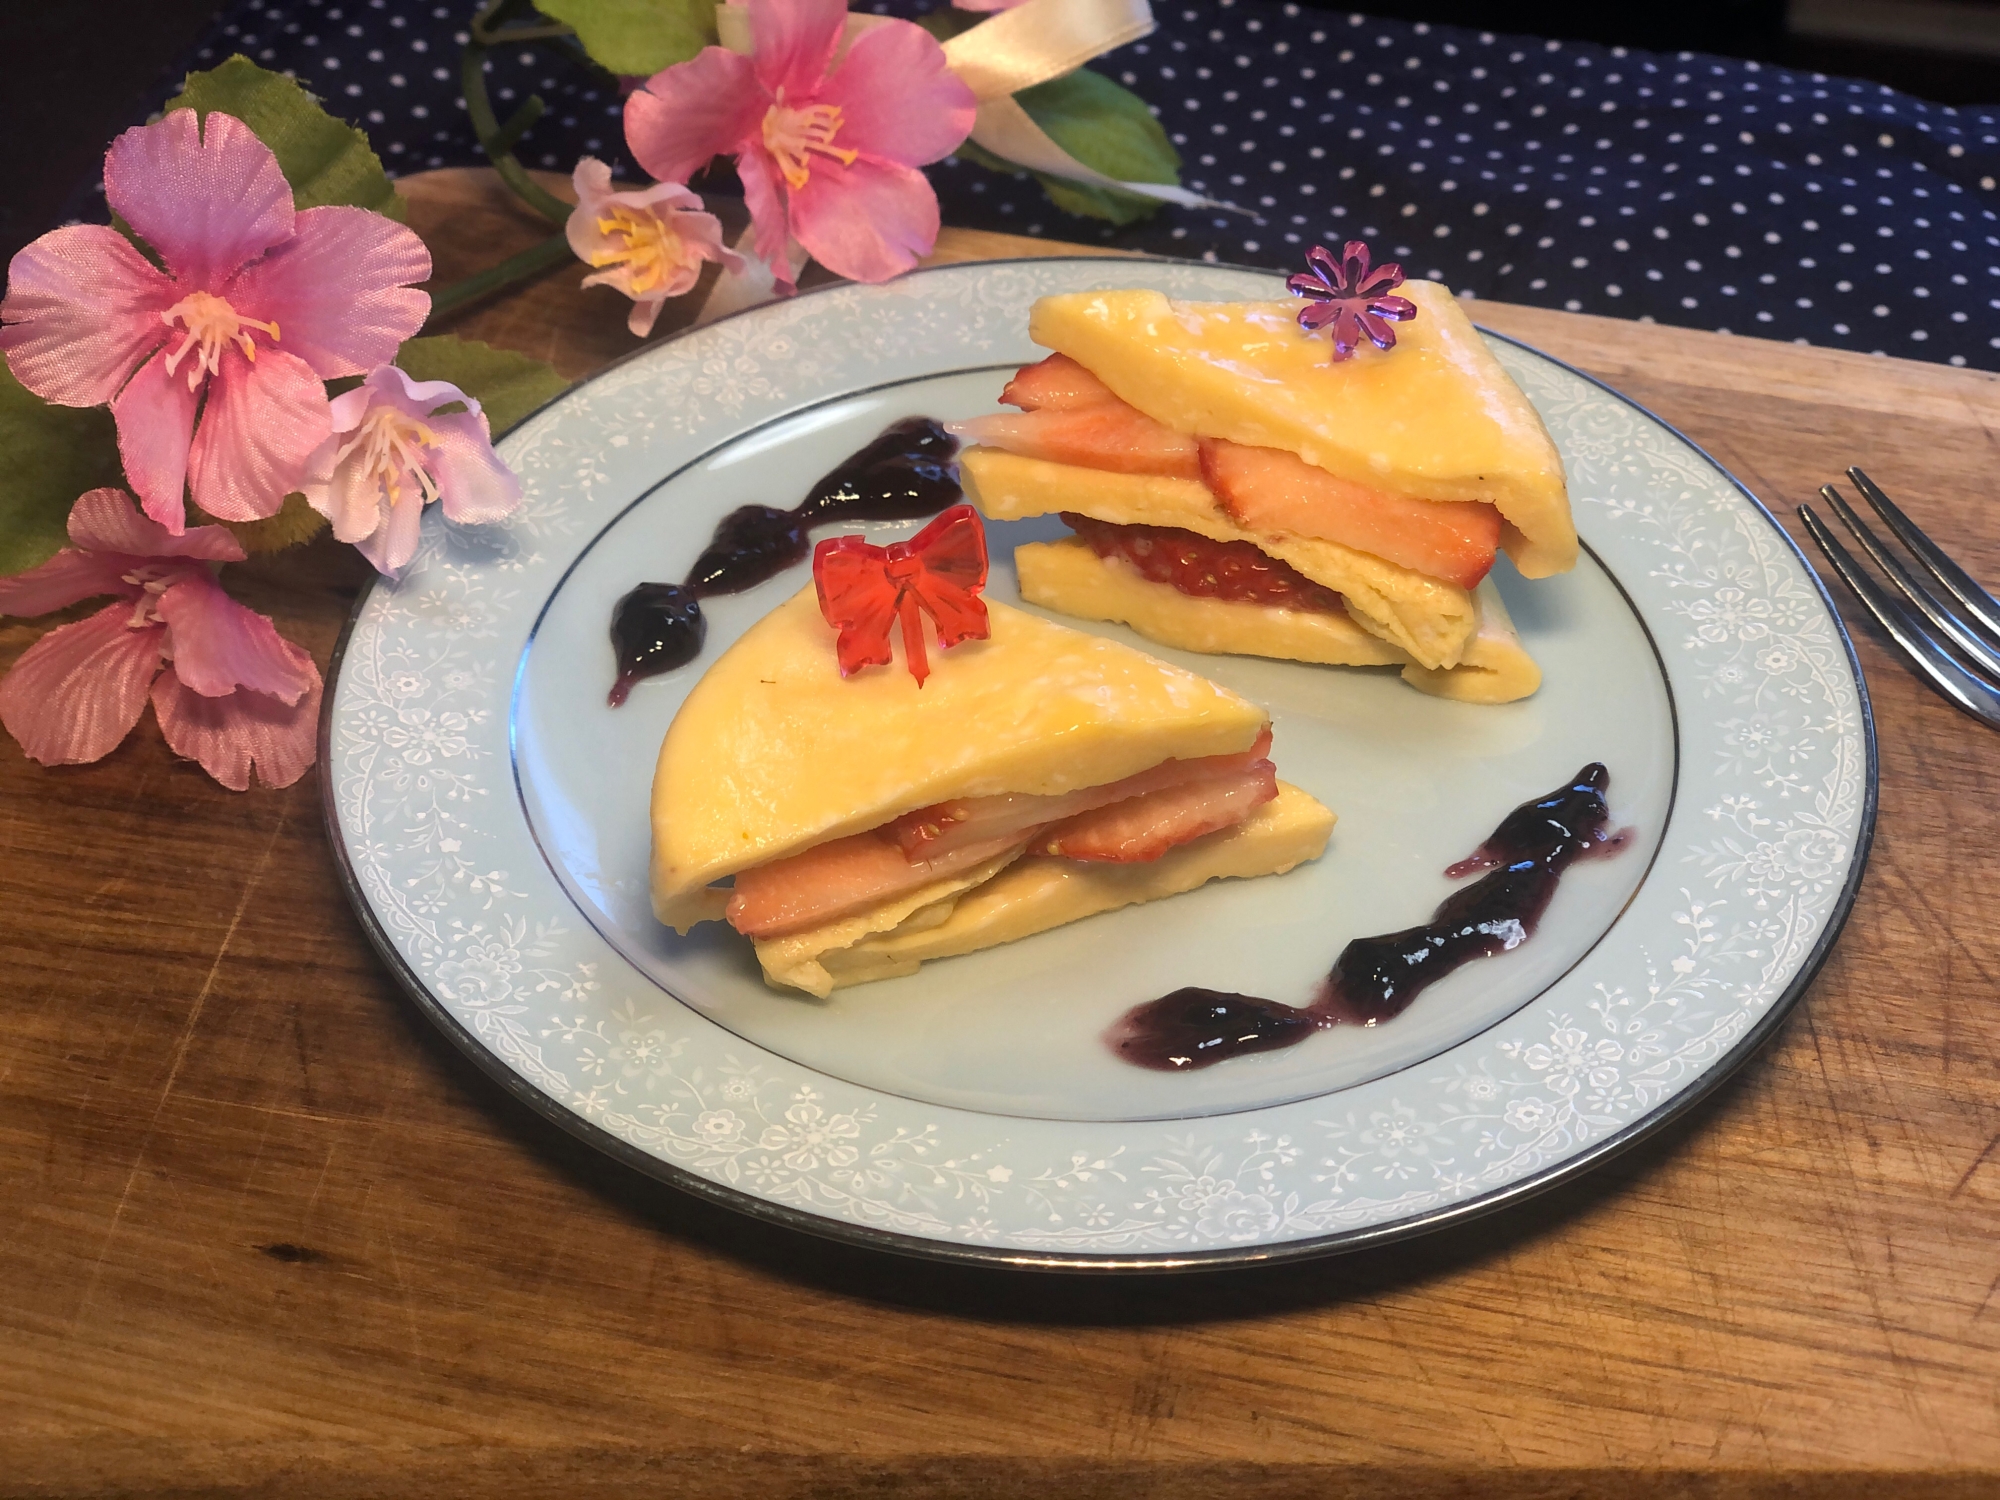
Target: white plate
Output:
[(491, 811)]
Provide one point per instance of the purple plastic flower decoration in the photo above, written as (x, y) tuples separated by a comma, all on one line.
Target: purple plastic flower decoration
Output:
[(1352, 297)]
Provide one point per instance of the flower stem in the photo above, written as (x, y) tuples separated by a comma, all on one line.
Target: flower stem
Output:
[(531, 262), (497, 142), (520, 123)]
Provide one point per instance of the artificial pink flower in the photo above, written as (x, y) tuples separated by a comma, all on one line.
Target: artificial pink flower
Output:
[(391, 454), (827, 146), (258, 305), (233, 693), (651, 243)]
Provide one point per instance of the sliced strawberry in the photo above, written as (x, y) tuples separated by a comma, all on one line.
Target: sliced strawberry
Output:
[(1272, 492), (1143, 828), (1105, 435), (837, 879), (1058, 383), (932, 832), (1205, 568)]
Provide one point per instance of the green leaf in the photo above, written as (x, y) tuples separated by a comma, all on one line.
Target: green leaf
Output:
[(53, 454), (325, 159), (508, 386), (295, 522), (637, 37), (1104, 126)]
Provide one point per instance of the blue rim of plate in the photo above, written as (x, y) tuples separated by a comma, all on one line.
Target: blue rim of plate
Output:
[(1658, 1118)]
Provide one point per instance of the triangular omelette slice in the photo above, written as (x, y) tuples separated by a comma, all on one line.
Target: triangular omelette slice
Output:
[(776, 764), (1435, 418)]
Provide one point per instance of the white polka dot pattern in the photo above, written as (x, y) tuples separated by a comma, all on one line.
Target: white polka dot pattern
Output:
[(1674, 188)]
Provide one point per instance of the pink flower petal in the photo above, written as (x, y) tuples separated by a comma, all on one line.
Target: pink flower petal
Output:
[(78, 690), (474, 486), (899, 101), (155, 415), (687, 115), (341, 289), (346, 494), (867, 222), (104, 521), (61, 581), (82, 309), (230, 736), (392, 544), (793, 41), (219, 645), (206, 198), (767, 215), (261, 424)]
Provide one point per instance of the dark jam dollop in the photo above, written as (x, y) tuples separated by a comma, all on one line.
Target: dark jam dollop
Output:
[(906, 472), (1375, 978)]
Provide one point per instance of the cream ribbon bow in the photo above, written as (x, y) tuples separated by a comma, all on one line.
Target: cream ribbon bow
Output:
[(1017, 49)]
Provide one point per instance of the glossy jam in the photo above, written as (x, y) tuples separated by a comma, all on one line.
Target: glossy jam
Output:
[(1204, 568), (906, 472), (1375, 978)]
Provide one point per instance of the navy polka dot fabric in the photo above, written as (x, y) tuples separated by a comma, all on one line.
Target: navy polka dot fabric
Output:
[(1673, 188)]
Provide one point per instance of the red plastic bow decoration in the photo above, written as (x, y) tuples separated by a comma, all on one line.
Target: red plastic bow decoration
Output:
[(864, 589)]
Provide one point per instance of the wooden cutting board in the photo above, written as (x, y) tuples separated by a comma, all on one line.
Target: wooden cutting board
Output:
[(263, 1232)]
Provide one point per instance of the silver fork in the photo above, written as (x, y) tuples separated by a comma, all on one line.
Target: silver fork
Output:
[(1964, 620)]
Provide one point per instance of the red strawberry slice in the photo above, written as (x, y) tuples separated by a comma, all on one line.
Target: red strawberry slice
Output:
[(1143, 828), (1103, 435), (1058, 383), (1205, 568), (932, 832), (1272, 492), (840, 878)]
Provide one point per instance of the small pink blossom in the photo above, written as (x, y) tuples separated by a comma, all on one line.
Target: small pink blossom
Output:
[(393, 451), (827, 143), (259, 303), (228, 690), (650, 243)]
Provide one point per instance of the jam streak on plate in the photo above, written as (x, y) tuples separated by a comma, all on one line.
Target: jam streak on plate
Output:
[(905, 473), (1376, 977)]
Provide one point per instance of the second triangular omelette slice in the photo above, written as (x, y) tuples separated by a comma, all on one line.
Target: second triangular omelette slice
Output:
[(1343, 512), (1036, 777)]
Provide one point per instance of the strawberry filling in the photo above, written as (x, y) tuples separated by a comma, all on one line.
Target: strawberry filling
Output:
[(1205, 568), (1272, 492), (1070, 416), (1136, 819)]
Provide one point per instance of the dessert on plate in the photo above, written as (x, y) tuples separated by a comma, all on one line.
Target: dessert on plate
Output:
[(1233, 488), (870, 817)]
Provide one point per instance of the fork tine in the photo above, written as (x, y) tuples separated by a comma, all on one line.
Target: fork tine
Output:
[(1961, 584), (1966, 637), (1952, 681)]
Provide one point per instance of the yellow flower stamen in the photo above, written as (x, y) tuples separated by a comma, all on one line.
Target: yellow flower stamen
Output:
[(653, 253), (211, 323), (791, 134), (391, 443)]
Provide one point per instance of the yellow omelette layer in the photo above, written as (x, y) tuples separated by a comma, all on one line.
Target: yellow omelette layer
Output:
[(1067, 576), (1032, 895), (774, 752), (1435, 418)]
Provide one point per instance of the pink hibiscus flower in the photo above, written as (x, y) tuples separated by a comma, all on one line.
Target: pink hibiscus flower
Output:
[(828, 147), (228, 690), (651, 243), (391, 454), (258, 305)]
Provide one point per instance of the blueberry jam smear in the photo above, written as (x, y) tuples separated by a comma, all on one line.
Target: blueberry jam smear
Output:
[(1376, 978), (906, 472)]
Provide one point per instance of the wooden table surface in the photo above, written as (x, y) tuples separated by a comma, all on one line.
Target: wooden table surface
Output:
[(264, 1233)]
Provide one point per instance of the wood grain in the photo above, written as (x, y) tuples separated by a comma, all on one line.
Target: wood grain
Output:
[(262, 1233)]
